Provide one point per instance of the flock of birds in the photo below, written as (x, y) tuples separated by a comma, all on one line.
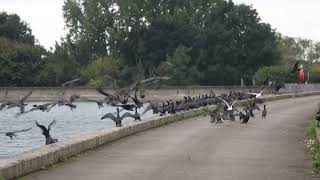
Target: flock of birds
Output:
[(128, 99)]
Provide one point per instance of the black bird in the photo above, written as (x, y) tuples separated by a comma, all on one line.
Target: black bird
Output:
[(264, 112), (117, 119), (13, 133), (43, 107), (46, 132), (136, 115), (277, 87), (20, 103), (244, 117)]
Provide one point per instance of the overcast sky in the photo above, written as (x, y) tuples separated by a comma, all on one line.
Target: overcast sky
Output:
[(297, 18)]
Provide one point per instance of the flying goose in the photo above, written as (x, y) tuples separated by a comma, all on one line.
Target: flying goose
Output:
[(256, 95), (46, 132), (229, 108), (12, 134)]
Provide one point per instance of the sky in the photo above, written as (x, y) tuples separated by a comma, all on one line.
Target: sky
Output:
[(296, 18)]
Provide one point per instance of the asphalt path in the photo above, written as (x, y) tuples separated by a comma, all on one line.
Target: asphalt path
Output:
[(273, 149)]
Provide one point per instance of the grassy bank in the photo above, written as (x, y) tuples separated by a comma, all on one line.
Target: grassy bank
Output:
[(313, 144)]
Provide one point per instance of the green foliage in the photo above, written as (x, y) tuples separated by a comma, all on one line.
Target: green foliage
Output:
[(225, 40), (276, 73), (298, 49), (102, 71), (20, 63), (314, 75), (60, 66), (313, 144), (2, 178), (181, 68), (13, 28)]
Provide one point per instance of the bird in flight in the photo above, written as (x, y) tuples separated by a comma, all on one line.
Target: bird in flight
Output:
[(229, 107), (256, 95)]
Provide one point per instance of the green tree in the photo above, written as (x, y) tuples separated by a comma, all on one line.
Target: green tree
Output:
[(12, 27), (21, 63)]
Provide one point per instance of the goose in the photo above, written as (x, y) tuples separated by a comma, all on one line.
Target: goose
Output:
[(229, 108), (264, 112), (12, 134), (43, 107), (136, 115), (117, 119), (46, 132), (256, 95), (244, 117), (20, 103)]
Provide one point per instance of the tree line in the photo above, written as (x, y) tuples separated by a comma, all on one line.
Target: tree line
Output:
[(112, 43)]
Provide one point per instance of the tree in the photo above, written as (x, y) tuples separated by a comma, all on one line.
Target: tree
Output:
[(21, 63), (13, 28)]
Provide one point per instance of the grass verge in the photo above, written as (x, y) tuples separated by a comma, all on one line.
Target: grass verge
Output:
[(2, 178), (313, 144)]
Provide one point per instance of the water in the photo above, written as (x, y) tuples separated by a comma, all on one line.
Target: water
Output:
[(82, 120)]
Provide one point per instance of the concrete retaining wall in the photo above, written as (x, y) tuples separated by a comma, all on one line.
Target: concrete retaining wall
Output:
[(55, 93), (47, 155)]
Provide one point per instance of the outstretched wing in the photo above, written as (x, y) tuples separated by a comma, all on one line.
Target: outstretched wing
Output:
[(223, 100), (43, 128), (110, 116), (127, 114), (234, 101), (148, 108), (154, 79), (51, 124), (104, 93), (26, 96), (22, 130)]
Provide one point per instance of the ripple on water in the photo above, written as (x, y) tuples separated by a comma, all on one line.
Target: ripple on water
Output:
[(83, 120)]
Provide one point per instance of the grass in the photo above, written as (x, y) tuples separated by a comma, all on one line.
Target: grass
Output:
[(313, 145), (2, 178)]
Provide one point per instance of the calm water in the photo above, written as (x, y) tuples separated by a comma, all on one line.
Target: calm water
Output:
[(82, 120)]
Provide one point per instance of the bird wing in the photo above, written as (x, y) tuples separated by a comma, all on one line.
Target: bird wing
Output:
[(223, 100), (71, 82), (104, 93), (253, 94), (22, 130), (53, 122), (148, 108), (127, 114), (26, 96), (257, 107), (110, 116), (234, 101), (43, 128), (154, 79)]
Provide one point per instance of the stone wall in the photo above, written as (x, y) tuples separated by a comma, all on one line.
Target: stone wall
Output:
[(54, 93)]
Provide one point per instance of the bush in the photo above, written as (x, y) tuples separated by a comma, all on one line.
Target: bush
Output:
[(314, 75), (102, 71), (275, 73), (313, 144)]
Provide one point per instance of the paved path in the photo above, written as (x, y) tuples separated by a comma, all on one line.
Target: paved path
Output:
[(194, 149)]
